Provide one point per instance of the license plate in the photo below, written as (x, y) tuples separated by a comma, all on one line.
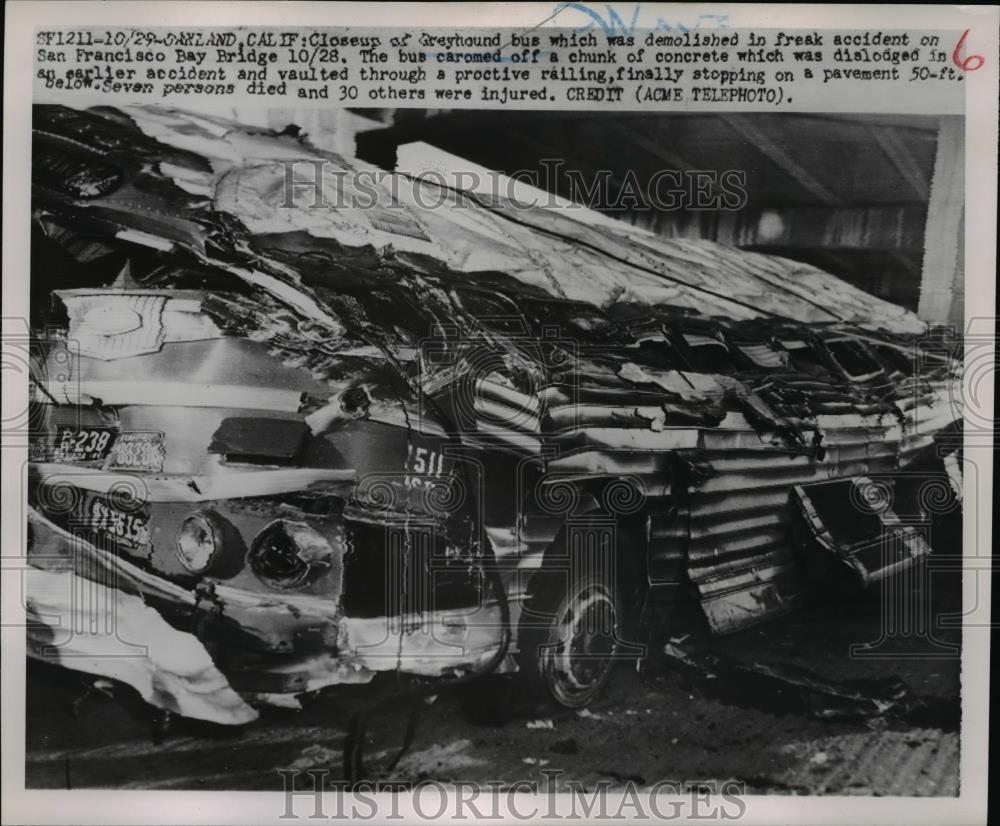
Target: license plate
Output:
[(84, 444), (138, 450), (127, 527)]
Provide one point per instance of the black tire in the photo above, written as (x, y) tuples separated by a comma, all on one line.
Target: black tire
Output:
[(568, 643)]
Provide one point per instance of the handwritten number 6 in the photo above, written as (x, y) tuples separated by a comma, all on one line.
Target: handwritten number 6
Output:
[(966, 65)]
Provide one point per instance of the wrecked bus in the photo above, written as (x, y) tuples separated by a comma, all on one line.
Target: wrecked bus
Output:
[(305, 446)]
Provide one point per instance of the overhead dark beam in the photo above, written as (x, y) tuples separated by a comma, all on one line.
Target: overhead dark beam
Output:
[(895, 149), (925, 125), (668, 157), (573, 159), (654, 148), (767, 147)]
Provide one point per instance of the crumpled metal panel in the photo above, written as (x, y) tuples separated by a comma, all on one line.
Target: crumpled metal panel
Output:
[(323, 333), (849, 531), (740, 554), (168, 668), (447, 226)]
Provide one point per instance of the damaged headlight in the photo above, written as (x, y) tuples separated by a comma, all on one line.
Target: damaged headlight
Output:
[(208, 544), (288, 554)]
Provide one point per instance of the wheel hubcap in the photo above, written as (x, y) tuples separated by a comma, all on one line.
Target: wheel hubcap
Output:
[(579, 660)]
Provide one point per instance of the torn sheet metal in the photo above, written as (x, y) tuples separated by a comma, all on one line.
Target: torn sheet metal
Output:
[(87, 626), (404, 392), (769, 283), (784, 688), (855, 532)]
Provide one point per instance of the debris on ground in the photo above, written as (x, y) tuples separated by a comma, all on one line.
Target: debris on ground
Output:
[(438, 760), (786, 688)]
